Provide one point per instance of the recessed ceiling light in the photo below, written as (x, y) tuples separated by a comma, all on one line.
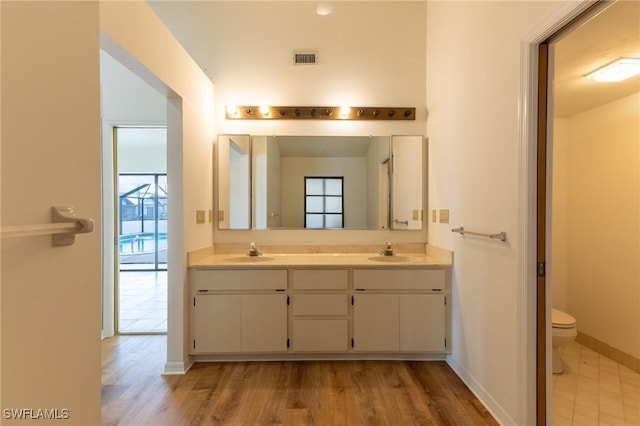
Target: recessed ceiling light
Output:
[(616, 71)]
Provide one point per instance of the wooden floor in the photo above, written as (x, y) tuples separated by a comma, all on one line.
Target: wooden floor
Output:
[(279, 393)]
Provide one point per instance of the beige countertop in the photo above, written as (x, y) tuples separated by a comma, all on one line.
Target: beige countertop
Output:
[(430, 257)]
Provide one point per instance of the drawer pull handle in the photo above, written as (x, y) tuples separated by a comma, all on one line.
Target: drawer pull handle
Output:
[(202, 291)]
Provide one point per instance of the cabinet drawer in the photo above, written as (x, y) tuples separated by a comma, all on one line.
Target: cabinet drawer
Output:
[(320, 336), (399, 279), (239, 280), (320, 304), (320, 279)]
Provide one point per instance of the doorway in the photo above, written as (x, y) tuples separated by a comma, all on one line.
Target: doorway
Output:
[(593, 168), (567, 198), (141, 229)]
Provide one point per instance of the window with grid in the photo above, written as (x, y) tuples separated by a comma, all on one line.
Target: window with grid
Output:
[(323, 202)]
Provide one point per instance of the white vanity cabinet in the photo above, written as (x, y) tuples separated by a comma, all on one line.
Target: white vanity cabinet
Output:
[(290, 310), (237, 311), (320, 310), (399, 310)]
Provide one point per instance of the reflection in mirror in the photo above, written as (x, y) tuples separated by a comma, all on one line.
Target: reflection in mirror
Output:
[(407, 178), (324, 202), (234, 190), (321, 182)]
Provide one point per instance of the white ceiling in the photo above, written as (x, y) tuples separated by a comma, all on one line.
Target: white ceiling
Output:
[(595, 41)]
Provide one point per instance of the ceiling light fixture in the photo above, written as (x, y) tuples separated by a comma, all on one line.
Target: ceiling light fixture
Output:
[(619, 70), (324, 8)]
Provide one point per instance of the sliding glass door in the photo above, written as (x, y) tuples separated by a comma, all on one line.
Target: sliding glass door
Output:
[(142, 219)]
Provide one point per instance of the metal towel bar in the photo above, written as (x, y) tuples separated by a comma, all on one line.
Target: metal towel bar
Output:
[(502, 236), (63, 228)]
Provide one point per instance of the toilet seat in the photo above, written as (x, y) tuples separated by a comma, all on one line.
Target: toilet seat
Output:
[(560, 319)]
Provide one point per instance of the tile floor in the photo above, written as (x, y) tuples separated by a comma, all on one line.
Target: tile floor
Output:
[(143, 302), (594, 390)]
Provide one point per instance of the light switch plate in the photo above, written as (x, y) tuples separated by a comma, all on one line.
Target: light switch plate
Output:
[(444, 216), (210, 216), (220, 215), (434, 215)]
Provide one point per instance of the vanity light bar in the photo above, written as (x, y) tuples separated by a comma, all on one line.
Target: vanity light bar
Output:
[(318, 113)]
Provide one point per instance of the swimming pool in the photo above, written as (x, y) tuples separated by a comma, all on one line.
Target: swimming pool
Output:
[(142, 243)]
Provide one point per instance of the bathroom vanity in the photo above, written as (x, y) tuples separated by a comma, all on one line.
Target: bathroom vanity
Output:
[(320, 306)]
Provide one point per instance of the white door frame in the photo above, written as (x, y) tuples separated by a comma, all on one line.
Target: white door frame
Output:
[(527, 278)]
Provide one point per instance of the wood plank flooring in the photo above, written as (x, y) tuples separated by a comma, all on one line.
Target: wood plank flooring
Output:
[(346, 393)]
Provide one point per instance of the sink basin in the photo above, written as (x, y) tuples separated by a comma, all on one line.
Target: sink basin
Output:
[(390, 259), (249, 259)]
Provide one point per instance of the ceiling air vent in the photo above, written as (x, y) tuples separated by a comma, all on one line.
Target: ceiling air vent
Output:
[(305, 58)]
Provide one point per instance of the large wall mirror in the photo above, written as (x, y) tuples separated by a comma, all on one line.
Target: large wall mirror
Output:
[(320, 182)]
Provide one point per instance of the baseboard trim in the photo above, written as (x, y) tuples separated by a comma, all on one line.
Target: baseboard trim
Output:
[(483, 396), (608, 351), (319, 357), (177, 368)]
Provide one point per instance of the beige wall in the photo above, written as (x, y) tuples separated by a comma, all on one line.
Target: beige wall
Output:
[(597, 184), (50, 156), (557, 261), (473, 82)]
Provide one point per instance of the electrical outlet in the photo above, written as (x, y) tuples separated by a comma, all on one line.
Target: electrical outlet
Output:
[(444, 216), (200, 217), (434, 215), (210, 216)]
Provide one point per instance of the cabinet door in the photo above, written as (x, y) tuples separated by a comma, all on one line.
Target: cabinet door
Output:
[(320, 335), (264, 323), (376, 322), (217, 325), (422, 325)]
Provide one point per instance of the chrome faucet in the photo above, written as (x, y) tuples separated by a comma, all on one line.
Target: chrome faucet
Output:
[(388, 251), (253, 251)]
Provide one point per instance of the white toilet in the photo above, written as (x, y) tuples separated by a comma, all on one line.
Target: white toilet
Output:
[(563, 331)]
